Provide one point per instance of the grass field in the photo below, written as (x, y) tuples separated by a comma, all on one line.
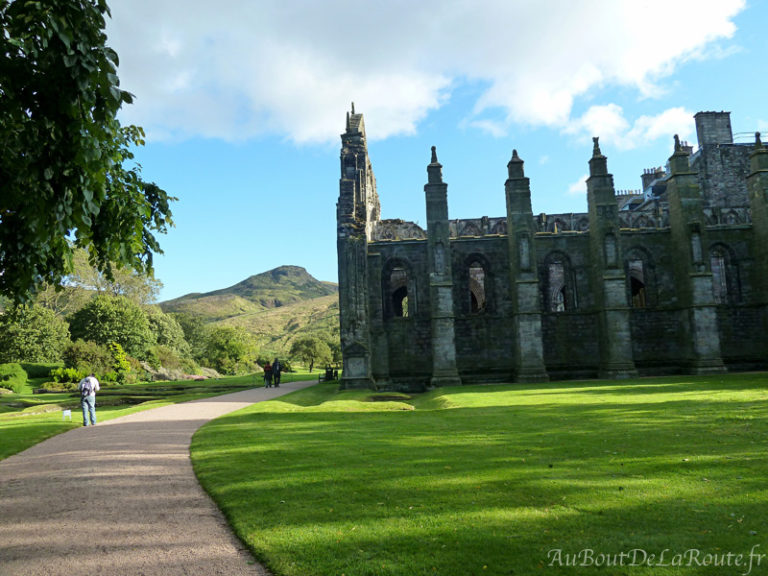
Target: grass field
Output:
[(502, 480), (27, 418)]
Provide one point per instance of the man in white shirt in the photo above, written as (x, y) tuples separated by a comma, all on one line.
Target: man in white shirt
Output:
[(88, 387)]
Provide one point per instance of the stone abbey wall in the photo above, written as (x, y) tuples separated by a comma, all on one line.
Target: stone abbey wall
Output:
[(669, 279)]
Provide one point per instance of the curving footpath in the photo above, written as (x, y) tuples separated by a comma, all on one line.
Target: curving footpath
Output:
[(121, 498)]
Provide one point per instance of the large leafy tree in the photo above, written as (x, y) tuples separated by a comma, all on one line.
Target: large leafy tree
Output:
[(32, 334), (229, 350), (66, 177), (106, 319)]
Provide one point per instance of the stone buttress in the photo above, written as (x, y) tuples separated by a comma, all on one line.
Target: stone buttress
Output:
[(607, 271), (523, 277), (444, 372), (693, 276)]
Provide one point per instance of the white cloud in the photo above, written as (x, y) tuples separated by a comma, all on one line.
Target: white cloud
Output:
[(665, 125), (606, 121), (236, 69), (578, 187), (609, 123)]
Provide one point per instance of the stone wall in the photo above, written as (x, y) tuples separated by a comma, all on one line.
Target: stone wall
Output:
[(678, 283)]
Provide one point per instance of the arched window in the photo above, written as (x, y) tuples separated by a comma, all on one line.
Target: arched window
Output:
[(477, 287), (558, 282), (640, 274), (556, 287), (719, 277), (725, 275), (637, 283), (398, 283)]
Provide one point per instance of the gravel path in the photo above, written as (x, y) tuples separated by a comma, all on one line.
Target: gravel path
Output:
[(121, 498)]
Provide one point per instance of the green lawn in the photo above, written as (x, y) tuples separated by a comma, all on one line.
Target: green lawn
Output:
[(497, 479), (26, 419)]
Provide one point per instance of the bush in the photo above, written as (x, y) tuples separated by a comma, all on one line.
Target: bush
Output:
[(88, 357), (68, 375), (13, 377), (39, 370)]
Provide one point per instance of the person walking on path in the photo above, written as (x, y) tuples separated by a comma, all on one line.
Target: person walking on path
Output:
[(276, 369), (88, 387), (267, 375)]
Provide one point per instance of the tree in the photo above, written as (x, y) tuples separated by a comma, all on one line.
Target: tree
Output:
[(310, 350), (85, 280), (229, 350), (32, 334), (65, 181), (107, 319), (195, 333), (168, 332)]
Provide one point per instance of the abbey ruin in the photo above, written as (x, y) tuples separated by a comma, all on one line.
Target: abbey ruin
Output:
[(671, 279)]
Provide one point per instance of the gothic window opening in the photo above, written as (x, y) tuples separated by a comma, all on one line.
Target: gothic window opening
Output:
[(637, 284), (556, 283), (477, 287), (398, 282), (719, 277)]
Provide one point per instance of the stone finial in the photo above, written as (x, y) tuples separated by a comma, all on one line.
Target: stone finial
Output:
[(353, 107), (515, 166), (678, 147), (596, 147), (435, 169), (598, 164), (347, 120), (758, 142)]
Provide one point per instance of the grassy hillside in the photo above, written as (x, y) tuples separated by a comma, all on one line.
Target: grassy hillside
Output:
[(275, 306), (275, 328), (279, 287)]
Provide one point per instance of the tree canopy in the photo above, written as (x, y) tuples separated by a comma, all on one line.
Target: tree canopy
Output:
[(65, 178), (311, 350), (106, 319), (32, 334)]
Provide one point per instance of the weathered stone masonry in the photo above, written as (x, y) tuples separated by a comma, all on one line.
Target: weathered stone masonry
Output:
[(669, 279)]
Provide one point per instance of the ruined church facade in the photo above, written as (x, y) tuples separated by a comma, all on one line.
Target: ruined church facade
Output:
[(672, 278)]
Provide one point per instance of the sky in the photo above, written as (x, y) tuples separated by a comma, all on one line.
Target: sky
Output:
[(243, 103)]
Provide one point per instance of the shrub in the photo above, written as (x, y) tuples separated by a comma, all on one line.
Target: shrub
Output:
[(120, 364), (13, 377), (71, 375), (87, 357)]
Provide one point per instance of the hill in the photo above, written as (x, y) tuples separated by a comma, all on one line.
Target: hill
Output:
[(276, 288), (275, 307)]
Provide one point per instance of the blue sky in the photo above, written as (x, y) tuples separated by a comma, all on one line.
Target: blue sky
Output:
[(243, 102)]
